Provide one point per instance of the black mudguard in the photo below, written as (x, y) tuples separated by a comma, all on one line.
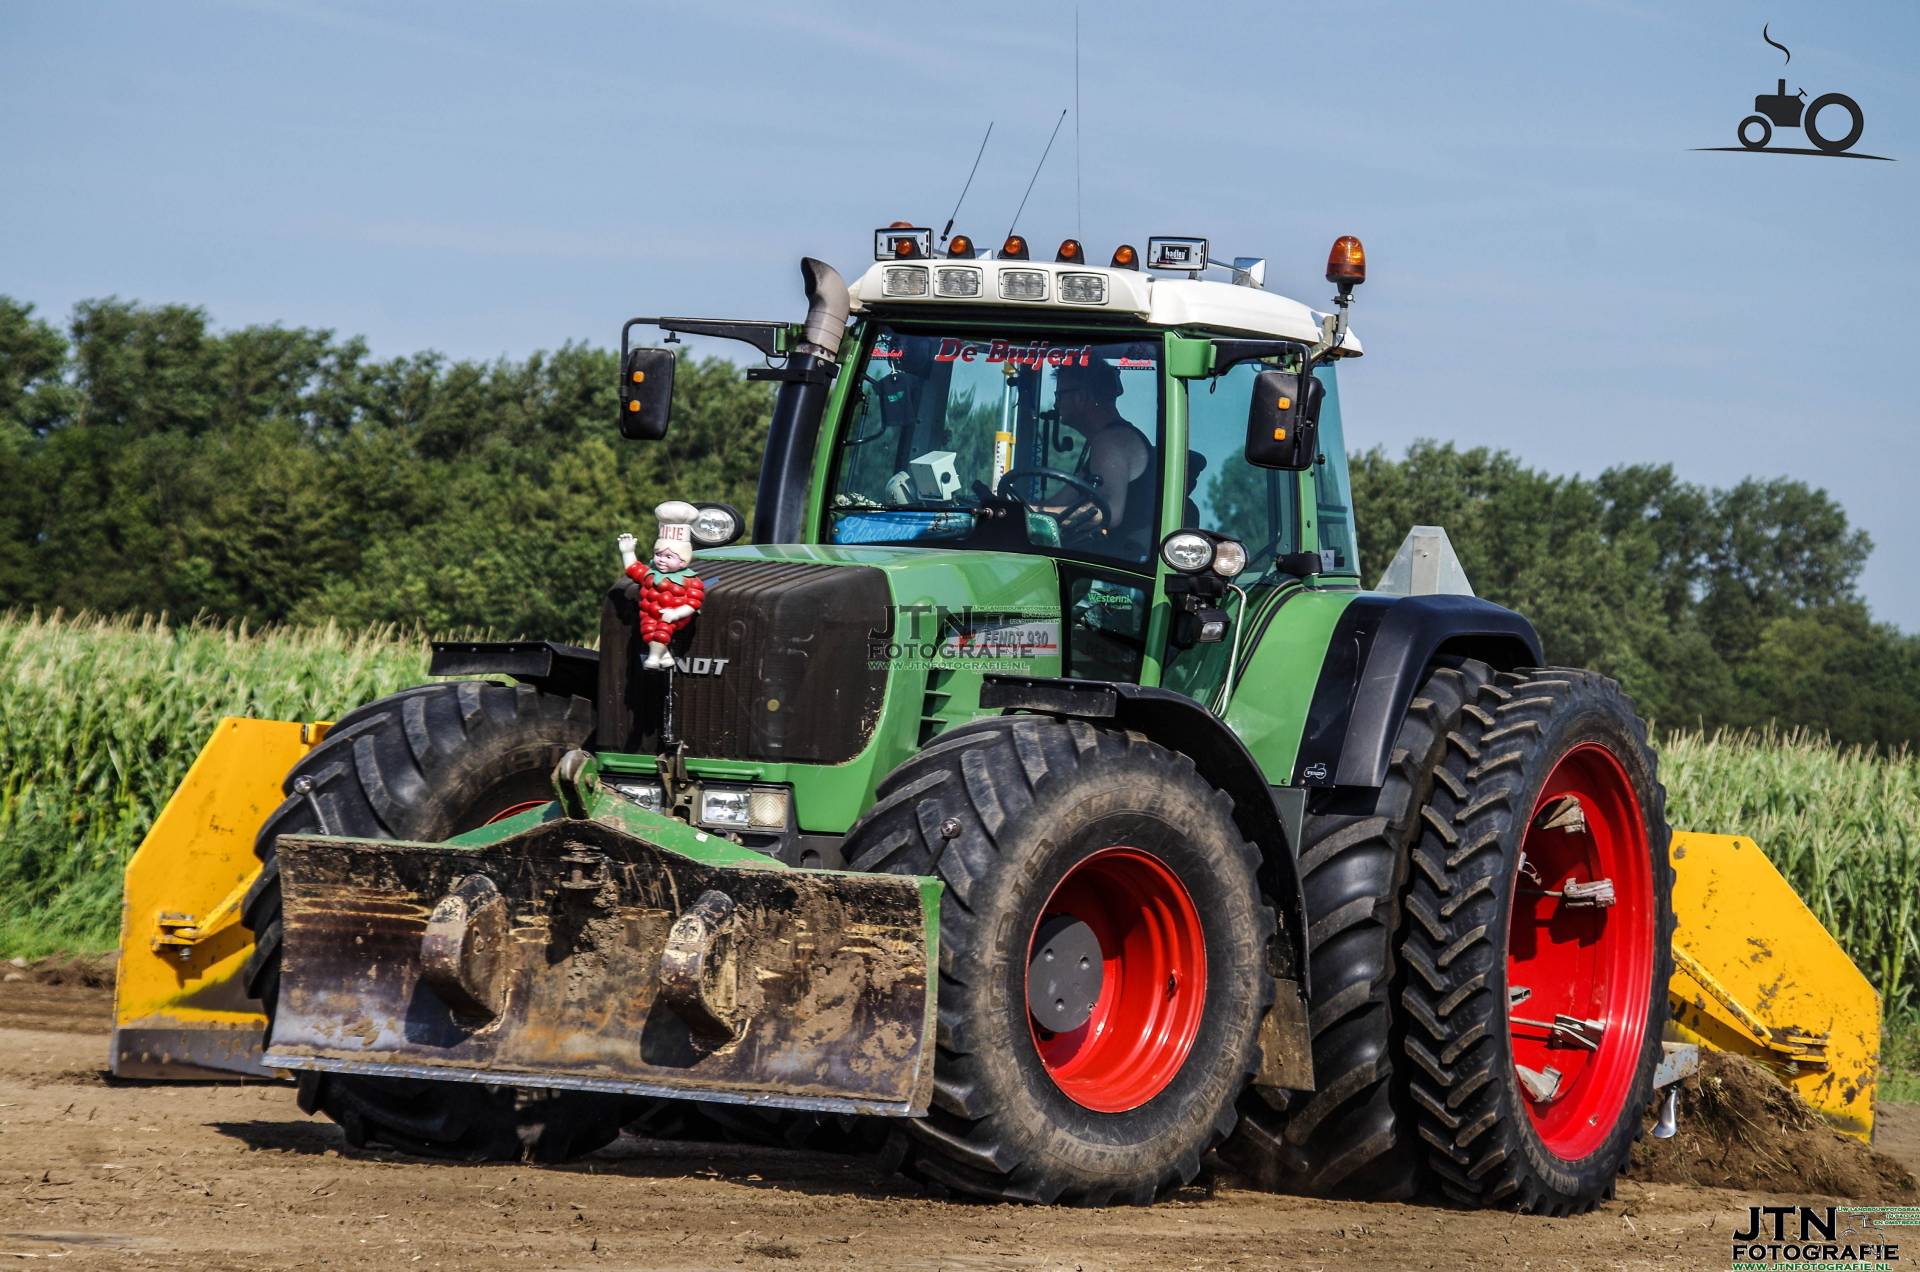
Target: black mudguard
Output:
[(1380, 650)]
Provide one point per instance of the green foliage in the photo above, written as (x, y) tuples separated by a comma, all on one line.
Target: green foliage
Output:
[(99, 719), (1715, 608), (1900, 1058), (275, 475)]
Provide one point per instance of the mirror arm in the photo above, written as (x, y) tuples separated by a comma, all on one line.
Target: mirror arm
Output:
[(767, 337), (1228, 353)]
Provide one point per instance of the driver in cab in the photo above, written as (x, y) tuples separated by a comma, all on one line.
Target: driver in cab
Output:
[(1116, 460)]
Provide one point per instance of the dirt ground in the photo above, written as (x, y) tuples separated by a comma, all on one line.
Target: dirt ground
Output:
[(95, 1174)]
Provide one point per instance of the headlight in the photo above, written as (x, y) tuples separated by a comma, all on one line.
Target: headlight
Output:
[(1023, 284), (1229, 558), (715, 525), (726, 808), (739, 807), (952, 281), (1187, 552), (905, 280), (645, 794), (1083, 289)]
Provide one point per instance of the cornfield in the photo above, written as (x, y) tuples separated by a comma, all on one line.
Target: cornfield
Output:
[(99, 719)]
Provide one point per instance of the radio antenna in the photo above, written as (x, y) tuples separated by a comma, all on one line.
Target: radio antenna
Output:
[(968, 186), (1079, 225), (1036, 171)]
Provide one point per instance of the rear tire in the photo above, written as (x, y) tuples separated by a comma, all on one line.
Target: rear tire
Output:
[(1028, 819), (1552, 764), (1352, 1136), (426, 764)]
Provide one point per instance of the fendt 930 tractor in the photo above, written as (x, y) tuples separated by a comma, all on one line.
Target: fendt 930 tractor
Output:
[(1040, 777)]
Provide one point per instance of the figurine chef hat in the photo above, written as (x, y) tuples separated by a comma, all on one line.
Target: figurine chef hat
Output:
[(676, 527)]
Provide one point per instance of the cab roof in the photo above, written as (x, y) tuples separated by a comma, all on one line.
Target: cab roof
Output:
[(1184, 303)]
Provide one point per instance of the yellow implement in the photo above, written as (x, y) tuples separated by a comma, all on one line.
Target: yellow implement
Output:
[(1755, 973), (180, 1009)]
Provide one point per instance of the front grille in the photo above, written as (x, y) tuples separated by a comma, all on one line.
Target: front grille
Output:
[(795, 683)]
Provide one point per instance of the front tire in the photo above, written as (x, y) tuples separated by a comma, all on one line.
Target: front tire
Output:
[(426, 764), (1535, 1018), (1055, 837)]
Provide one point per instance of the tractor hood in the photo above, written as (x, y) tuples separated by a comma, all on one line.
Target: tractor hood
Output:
[(807, 654)]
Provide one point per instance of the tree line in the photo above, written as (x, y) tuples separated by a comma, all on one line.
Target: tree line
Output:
[(286, 475)]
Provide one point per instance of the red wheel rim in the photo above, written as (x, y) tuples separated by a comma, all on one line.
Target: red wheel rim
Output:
[(1586, 963), (514, 810), (1153, 986)]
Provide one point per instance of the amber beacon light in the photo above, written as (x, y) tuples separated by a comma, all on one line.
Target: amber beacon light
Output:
[(1347, 263)]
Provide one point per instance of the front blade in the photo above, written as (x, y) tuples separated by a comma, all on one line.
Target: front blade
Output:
[(574, 955)]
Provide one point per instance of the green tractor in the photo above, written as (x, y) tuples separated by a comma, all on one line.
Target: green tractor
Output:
[(1040, 784)]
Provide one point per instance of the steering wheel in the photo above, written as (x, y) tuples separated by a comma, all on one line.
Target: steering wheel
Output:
[(1090, 498)]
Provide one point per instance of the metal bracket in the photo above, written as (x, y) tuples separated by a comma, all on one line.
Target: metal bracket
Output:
[(1542, 1085), (1569, 1029), (576, 778), (177, 932)]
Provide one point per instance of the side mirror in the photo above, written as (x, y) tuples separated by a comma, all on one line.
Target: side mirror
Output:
[(1283, 420), (646, 394)]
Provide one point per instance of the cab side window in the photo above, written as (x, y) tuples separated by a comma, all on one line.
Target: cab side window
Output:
[(1258, 506), (1334, 498)]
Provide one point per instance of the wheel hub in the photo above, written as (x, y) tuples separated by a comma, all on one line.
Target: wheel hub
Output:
[(1064, 974)]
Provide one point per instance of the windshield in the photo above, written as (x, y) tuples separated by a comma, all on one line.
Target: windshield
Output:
[(946, 429)]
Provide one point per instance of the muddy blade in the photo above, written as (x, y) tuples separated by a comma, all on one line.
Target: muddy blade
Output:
[(572, 955)]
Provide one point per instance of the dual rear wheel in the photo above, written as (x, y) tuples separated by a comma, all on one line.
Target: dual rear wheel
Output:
[(1489, 951)]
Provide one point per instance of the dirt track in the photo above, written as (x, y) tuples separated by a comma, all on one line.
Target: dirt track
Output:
[(100, 1175)]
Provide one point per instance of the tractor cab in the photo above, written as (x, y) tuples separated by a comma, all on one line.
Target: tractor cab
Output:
[(1104, 418)]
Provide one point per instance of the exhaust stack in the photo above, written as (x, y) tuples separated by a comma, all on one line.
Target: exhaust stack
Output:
[(780, 503), (828, 304)]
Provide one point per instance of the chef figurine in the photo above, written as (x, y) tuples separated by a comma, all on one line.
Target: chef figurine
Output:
[(669, 591)]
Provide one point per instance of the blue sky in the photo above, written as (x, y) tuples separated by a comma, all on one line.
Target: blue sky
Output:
[(1554, 269)]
